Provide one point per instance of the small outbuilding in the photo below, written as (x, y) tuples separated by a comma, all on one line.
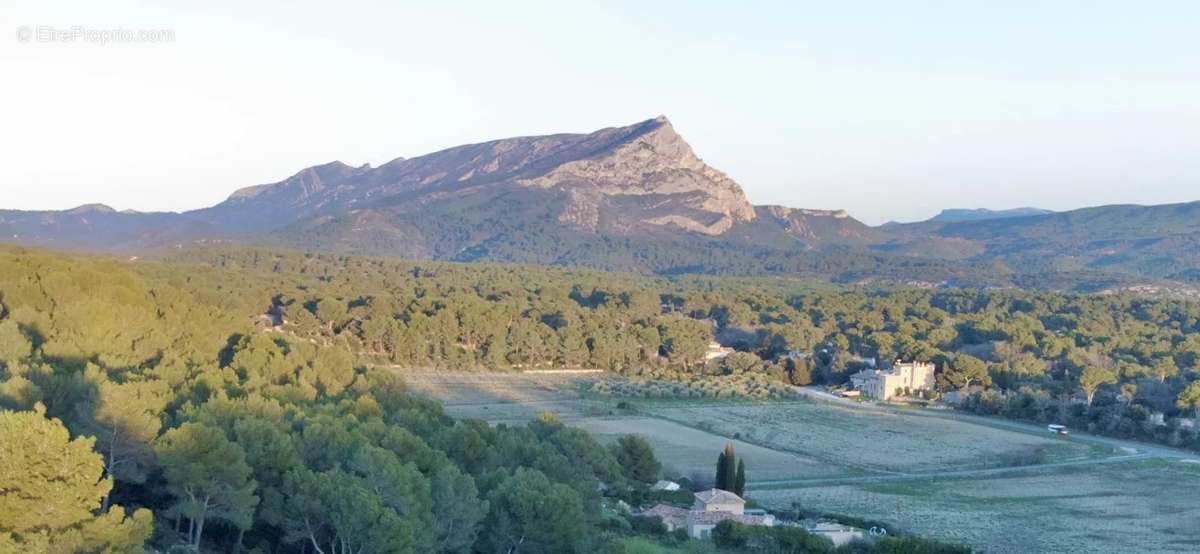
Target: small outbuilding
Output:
[(664, 485)]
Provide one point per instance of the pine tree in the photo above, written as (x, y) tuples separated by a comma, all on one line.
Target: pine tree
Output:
[(636, 457), (208, 476), (50, 491), (739, 481)]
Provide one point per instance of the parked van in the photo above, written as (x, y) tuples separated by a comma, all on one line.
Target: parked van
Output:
[(1058, 429)]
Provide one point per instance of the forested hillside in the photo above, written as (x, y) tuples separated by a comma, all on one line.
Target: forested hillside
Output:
[(168, 406), (240, 399), (234, 439), (1137, 242), (1108, 362)]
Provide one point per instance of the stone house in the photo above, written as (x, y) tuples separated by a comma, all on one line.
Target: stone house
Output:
[(886, 384), (709, 508)]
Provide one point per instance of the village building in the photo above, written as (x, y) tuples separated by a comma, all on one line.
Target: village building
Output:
[(717, 500), (903, 376), (709, 508)]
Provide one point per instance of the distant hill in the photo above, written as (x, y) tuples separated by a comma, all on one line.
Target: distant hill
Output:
[(1161, 242), (635, 198), (97, 227), (980, 214)]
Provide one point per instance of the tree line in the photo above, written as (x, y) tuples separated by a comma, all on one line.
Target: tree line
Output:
[(242, 396), (1114, 363), (137, 415)]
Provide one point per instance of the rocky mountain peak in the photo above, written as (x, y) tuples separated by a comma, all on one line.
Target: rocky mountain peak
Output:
[(650, 161), (307, 181), (622, 180)]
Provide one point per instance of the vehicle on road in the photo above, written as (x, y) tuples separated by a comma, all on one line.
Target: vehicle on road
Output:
[(1058, 429)]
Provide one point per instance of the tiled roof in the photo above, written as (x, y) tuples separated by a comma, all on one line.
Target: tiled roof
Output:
[(717, 495), (669, 514), (713, 518)]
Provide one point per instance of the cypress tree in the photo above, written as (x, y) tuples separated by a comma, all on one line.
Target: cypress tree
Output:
[(722, 462), (739, 481), (729, 475)]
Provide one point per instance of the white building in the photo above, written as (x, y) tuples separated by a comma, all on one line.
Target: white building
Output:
[(885, 384), (836, 532), (665, 485)]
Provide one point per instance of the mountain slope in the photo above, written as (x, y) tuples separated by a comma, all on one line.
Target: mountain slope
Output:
[(616, 180)]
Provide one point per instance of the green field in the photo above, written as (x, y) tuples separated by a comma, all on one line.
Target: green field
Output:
[(997, 488), (1144, 506)]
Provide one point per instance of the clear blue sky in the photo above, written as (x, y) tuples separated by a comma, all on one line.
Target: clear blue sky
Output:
[(890, 109)]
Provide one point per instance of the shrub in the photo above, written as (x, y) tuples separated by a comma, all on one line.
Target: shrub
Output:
[(648, 525)]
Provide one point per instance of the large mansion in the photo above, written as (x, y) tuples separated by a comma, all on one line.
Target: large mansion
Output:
[(903, 376)]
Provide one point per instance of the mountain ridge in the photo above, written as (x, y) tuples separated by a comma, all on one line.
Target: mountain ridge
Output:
[(980, 214), (637, 198)]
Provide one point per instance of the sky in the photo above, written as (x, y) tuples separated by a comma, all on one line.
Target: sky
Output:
[(890, 110)]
